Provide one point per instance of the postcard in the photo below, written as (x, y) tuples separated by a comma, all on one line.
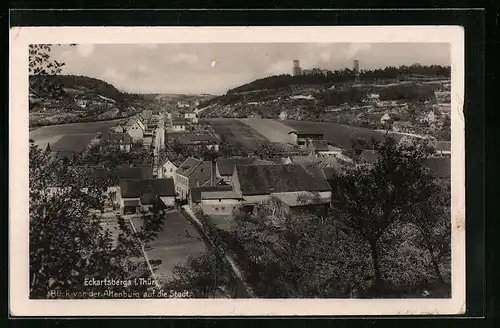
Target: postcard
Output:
[(237, 171)]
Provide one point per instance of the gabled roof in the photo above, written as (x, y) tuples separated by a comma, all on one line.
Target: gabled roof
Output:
[(131, 122), (266, 179), (188, 166), (323, 161), (121, 173), (147, 189), (226, 165), (179, 122), (116, 137), (194, 138), (196, 192), (306, 132)]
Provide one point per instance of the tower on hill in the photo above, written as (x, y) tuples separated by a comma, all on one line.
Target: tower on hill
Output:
[(296, 68), (356, 69)]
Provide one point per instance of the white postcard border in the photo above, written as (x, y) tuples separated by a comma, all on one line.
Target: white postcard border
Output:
[(21, 305)]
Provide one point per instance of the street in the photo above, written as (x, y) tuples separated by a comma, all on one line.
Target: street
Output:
[(175, 243)]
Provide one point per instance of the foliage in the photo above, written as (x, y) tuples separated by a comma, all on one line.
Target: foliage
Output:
[(68, 242), (409, 91), (370, 200), (300, 256), (109, 155), (200, 275)]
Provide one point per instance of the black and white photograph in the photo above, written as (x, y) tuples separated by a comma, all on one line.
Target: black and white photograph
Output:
[(309, 169)]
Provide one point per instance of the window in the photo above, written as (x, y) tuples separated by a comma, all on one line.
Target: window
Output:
[(170, 169), (216, 208)]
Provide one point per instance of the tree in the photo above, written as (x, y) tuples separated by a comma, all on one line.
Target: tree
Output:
[(369, 200), (42, 68), (200, 275), (68, 243), (299, 255)]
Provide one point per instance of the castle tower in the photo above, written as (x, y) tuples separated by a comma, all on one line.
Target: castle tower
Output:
[(296, 68), (356, 69)]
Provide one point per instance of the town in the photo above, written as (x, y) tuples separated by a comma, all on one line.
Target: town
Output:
[(207, 161)]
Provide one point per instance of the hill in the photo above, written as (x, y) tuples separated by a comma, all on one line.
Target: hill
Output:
[(337, 97), (56, 99)]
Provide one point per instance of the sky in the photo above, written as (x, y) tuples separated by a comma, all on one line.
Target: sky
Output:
[(214, 68)]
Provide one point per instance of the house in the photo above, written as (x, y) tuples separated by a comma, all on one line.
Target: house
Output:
[(386, 118), (302, 138), (210, 141), (113, 176), (135, 128), (283, 116), (141, 195), (123, 140), (192, 173), (289, 183), (149, 131), (179, 125), (167, 169), (183, 104), (224, 167), (191, 117), (215, 200)]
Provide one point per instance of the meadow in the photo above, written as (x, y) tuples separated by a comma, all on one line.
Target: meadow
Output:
[(237, 133)]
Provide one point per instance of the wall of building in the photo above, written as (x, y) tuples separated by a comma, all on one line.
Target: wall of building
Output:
[(168, 170), (219, 207), (135, 132)]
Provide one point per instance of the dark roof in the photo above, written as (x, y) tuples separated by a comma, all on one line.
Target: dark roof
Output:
[(63, 154), (369, 156), (147, 189), (324, 161), (265, 179), (330, 172), (304, 132), (319, 145), (188, 166), (226, 165), (121, 173), (196, 191), (439, 167), (117, 137), (72, 142), (194, 138), (130, 122), (179, 122)]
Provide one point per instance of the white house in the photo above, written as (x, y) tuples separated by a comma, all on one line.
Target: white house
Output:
[(215, 200), (178, 125), (135, 129), (385, 118), (192, 173), (167, 169), (283, 115), (191, 117)]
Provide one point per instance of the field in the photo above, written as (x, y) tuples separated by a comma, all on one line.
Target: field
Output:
[(338, 135), (271, 129), (236, 132), (72, 142), (53, 133)]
